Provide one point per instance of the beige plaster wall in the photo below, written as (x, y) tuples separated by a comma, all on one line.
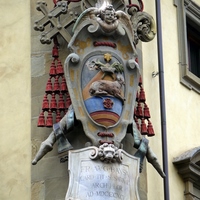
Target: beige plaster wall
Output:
[(182, 111), (15, 101)]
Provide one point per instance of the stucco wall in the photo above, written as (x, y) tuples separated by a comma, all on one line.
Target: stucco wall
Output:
[(15, 101)]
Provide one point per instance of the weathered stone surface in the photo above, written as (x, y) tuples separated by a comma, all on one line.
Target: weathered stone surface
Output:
[(56, 188), (49, 168), (39, 48), (39, 133), (96, 180), (39, 85), (38, 65), (38, 190), (36, 106)]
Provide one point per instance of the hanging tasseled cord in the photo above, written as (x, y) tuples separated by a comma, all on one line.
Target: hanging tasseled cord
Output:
[(56, 100), (142, 113)]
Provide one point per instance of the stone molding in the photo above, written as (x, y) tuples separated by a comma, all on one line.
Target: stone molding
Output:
[(188, 165)]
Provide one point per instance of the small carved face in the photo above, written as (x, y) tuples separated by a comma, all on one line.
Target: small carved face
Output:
[(109, 152), (109, 16)]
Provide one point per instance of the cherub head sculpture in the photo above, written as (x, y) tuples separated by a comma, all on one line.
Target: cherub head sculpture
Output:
[(108, 15)]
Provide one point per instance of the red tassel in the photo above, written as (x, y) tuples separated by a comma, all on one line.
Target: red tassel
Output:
[(150, 129), (45, 104), (139, 111), (59, 69), (56, 86), (53, 105), (137, 96), (137, 123), (61, 103), (41, 120), (58, 116), (68, 101), (49, 87), (52, 71), (142, 97), (63, 85), (140, 81), (146, 112), (143, 128), (55, 52), (49, 121)]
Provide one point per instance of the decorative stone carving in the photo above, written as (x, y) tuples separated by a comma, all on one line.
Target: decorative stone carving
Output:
[(53, 17), (94, 179), (107, 153), (102, 76), (143, 25), (101, 68)]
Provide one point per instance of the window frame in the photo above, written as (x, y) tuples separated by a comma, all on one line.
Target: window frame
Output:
[(193, 40), (188, 166), (186, 9)]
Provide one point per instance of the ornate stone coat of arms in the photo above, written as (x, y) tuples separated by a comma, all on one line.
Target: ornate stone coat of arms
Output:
[(102, 74)]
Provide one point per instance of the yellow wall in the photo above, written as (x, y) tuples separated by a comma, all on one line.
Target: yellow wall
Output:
[(15, 145), (181, 103)]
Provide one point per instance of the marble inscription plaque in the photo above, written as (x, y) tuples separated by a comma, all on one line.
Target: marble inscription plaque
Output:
[(96, 180)]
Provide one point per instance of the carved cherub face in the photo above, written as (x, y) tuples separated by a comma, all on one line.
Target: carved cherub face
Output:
[(109, 14)]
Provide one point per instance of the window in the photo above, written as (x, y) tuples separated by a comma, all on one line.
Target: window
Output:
[(188, 166), (188, 15), (193, 41)]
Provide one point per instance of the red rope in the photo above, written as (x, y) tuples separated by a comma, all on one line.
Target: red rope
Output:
[(74, 0), (105, 134), (105, 141), (141, 5), (139, 8), (110, 44)]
